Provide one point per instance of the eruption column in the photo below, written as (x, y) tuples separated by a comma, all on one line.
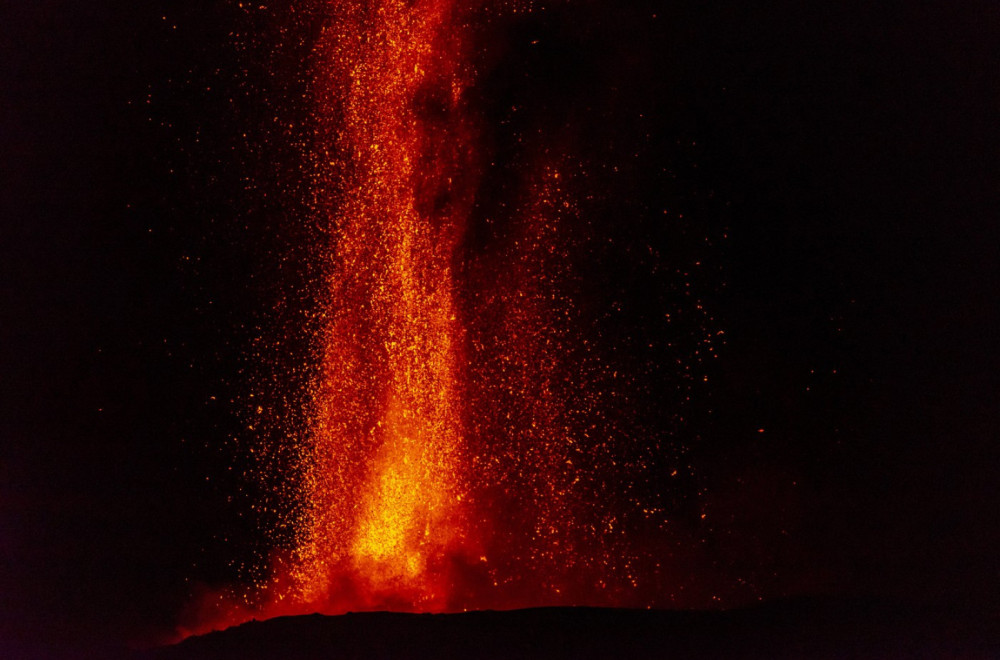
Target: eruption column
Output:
[(476, 435), (385, 462)]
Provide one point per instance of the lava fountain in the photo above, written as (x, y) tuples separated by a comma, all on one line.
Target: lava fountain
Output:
[(469, 442), (386, 465)]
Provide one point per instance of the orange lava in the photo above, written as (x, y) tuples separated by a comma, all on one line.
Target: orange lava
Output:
[(386, 468), (460, 453)]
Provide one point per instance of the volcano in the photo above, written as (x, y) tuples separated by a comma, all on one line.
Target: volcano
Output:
[(510, 327)]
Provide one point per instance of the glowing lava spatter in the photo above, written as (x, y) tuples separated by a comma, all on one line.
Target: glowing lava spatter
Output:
[(470, 442), (386, 466)]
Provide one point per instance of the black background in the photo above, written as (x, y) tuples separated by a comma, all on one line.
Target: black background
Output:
[(149, 241)]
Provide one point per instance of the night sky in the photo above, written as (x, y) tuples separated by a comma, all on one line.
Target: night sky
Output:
[(831, 171)]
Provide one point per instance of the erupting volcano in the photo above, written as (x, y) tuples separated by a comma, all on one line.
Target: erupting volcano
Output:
[(498, 328), (472, 441)]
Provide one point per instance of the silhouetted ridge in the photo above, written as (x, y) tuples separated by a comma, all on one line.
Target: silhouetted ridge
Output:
[(812, 628)]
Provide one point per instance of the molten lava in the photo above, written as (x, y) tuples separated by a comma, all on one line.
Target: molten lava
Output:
[(468, 446), (387, 469)]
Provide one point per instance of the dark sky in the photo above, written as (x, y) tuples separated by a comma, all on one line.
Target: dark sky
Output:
[(847, 152)]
